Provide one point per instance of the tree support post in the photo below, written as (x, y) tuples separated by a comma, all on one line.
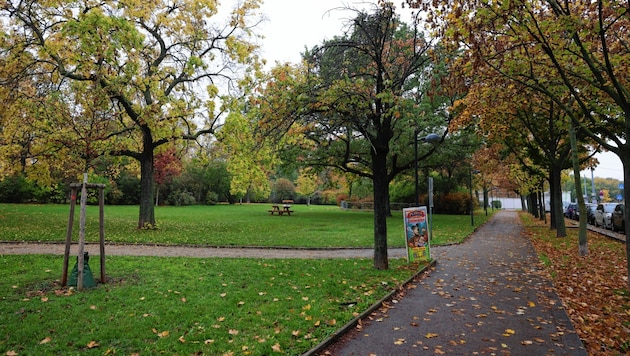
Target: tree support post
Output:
[(73, 198)]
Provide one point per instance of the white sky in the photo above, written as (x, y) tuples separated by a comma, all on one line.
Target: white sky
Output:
[(295, 25)]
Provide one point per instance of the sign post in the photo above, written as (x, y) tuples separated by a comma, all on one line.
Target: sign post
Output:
[(416, 234)]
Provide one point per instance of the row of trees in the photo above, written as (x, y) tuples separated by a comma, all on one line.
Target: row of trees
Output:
[(547, 81)]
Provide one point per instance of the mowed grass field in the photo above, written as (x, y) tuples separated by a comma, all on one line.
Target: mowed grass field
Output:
[(223, 225), (184, 306)]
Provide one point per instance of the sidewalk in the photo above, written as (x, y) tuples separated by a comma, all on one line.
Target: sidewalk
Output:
[(486, 296), (25, 248)]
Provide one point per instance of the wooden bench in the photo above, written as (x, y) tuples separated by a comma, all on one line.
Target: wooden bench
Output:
[(286, 209)]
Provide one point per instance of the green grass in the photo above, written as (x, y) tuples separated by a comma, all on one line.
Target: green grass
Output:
[(223, 225), (186, 305)]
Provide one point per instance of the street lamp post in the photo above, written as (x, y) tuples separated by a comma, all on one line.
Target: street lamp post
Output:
[(430, 138), (472, 214)]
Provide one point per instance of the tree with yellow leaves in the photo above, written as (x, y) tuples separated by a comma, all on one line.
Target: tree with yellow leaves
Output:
[(163, 65)]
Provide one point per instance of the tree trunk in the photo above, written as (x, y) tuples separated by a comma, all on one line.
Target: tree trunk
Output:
[(147, 209), (582, 241), (555, 192), (381, 202)]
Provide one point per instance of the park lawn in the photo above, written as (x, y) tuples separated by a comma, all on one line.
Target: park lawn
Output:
[(312, 226), (187, 306)]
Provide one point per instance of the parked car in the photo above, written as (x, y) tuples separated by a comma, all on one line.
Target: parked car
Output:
[(603, 215), (617, 220), (590, 213), (571, 211)]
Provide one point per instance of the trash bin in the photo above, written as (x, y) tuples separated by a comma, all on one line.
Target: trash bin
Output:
[(88, 279)]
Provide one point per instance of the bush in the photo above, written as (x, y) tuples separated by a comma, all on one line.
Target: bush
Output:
[(181, 198), (341, 197), (212, 198), (126, 190), (453, 203), (16, 189)]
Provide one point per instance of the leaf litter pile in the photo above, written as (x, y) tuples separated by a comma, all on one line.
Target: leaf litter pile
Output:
[(593, 288)]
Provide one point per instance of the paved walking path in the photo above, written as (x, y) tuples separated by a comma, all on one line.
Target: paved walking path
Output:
[(12, 248), (486, 296)]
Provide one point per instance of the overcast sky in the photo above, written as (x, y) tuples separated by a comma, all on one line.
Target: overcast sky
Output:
[(295, 25)]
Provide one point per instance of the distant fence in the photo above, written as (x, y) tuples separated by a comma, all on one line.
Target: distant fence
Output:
[(506, 203), (369, 205)]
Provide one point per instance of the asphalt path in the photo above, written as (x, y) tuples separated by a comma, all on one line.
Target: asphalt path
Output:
[(486, 296)]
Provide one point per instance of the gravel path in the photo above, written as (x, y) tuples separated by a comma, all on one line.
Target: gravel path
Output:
[(192, 251)]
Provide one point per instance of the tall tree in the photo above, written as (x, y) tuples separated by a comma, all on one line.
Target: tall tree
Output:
[(152, 59), (356, 106)]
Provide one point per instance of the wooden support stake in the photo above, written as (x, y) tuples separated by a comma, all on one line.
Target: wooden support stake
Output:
[(66, 255), (101, 218), (82, 232)]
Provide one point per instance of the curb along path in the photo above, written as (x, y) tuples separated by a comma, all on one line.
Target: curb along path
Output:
[(487, 296)]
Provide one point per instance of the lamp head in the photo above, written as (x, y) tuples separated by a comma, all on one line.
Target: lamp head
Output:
[(431, 138)]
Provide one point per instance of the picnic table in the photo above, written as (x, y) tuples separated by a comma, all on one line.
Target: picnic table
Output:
[(285, 209)]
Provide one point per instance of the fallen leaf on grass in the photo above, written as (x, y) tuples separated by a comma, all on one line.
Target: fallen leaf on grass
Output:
[(92, 344), (45, 340), (276, 347)]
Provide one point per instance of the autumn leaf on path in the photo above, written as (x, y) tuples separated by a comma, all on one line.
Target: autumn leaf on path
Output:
[(430, 335)]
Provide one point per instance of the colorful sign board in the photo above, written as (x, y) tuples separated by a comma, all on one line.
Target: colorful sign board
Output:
[(417, 234)]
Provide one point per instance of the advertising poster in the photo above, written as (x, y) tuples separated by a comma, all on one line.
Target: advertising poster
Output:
[(416, 234)]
